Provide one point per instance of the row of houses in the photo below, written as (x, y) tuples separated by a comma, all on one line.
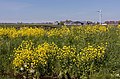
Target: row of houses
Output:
[(112, 22), (69, 22)]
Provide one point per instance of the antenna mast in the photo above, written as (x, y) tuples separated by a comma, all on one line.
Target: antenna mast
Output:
[(100, 16)]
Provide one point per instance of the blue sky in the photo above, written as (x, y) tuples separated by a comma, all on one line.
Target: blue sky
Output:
[(52, 10)]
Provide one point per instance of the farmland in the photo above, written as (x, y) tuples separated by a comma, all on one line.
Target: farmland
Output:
[(83, 52)]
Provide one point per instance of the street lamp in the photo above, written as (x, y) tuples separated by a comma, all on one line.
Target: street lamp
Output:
[(100, 16)]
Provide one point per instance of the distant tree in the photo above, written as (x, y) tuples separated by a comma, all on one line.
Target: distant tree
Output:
[(68, 21), (82, 23), (106, 22), (61, 23), (89, 22), (119, 22), (97, 23), (112, 22)]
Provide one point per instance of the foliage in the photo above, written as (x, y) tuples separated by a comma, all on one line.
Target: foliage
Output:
[(77, 51)]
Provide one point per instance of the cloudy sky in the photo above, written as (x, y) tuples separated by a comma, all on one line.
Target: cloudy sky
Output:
[(52, 10)]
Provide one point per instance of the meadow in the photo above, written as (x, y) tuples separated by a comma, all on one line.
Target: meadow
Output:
[(76, 52)]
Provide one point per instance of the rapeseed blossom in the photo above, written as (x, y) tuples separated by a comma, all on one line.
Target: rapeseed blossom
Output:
[(64, 31), (28, 56), (23, 31), (90, 53)]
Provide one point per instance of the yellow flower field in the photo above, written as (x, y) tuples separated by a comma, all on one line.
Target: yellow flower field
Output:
[(80, 51)]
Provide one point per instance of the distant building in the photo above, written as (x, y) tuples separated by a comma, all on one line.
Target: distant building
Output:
[(112, 22), (70, 22), (104, 24), (56, 23), (77, 23)]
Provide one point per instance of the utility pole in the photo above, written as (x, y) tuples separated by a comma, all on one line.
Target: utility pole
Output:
[(100, 16)]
